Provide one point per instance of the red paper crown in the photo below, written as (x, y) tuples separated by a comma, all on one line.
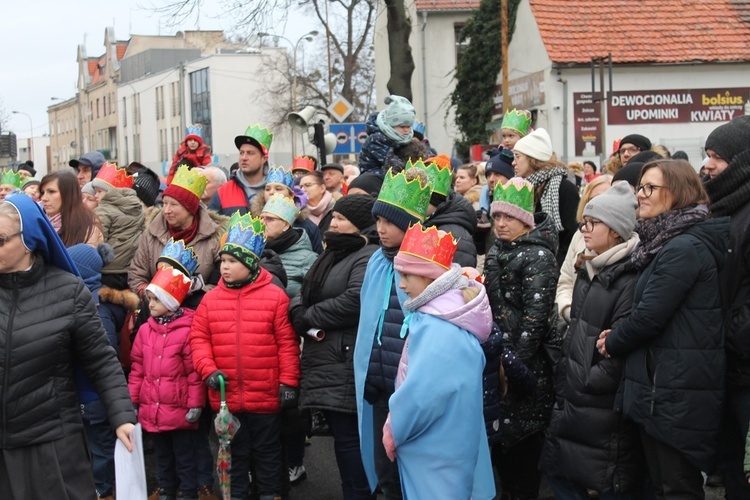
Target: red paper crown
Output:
[(172, 282), (303, 163), (115, 177), (429, 244)]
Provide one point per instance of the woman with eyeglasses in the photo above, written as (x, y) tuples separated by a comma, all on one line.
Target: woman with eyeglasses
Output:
[(52, 338), (673, 342), (521, 274), (554, 194), (590, 446)]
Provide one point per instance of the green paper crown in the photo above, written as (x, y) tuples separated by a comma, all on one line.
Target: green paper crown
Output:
[(260, 134), (440, 178), (518, 121), (517, 192), (11, 178), (411, 196)]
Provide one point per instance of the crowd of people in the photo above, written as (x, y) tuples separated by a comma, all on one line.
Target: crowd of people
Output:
[(464, 330)]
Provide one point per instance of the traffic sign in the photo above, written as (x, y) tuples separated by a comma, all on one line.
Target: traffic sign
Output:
[(340, 109), (349, 137)]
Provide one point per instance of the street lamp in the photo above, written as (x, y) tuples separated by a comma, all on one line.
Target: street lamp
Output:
[(309, 37), (31, 133)]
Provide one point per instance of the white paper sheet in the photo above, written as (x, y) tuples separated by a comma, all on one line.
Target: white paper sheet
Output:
[(130, 469)]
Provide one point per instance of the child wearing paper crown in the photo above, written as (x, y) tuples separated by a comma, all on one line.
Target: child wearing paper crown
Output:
[(242, 332), (436, 421), (164, 385), (402, 201), (521, 277), (191, 150)]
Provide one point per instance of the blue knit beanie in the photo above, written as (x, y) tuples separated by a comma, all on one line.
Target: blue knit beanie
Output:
[(398, 112)]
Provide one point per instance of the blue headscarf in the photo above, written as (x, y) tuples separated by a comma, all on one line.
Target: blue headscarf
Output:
[(39, 236)]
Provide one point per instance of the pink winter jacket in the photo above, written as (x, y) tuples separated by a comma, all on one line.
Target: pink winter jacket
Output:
[(163, 382)]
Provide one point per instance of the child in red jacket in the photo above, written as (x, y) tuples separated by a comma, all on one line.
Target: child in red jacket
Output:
[(242, 332), (164, 386), (192, 152)]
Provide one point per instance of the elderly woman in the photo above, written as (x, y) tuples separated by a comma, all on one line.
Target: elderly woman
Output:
[(48, 319), (673, 340), (60, 195), (329, 305), (182, 218)]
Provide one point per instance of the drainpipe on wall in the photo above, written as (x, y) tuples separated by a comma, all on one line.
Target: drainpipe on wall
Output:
[(424, 71), (565, 114)]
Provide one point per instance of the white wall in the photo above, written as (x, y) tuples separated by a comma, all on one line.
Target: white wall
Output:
[(239, 86)]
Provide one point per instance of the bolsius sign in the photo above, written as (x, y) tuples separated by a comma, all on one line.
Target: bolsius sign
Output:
[(677, 106)]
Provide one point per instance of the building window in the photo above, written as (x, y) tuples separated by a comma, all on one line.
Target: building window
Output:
[(460, 45), (136, 147), (200, 101), (124, 111), (175, 98), (160, 103), (127, 153)]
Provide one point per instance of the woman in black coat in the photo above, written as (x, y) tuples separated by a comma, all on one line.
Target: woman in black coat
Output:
[(326, 315), (589, 444), (673, 341), (52, 340)]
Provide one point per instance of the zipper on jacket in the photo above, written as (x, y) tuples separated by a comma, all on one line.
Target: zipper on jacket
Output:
[(8, 347), (239, 354)]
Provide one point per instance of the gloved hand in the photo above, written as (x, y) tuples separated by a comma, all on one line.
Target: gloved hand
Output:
[(297, 317), (193, 414), (213, 380), (288, 396), (196, 283), (484, 222), (388, 443)]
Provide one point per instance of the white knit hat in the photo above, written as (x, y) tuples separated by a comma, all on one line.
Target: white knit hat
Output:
[(537, 145)]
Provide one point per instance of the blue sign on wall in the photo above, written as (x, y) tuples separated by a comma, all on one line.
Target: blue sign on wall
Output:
[(349, 137)]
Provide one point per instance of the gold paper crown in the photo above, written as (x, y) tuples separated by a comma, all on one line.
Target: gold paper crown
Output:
[(191, 180), (115, 177), (429, 244)]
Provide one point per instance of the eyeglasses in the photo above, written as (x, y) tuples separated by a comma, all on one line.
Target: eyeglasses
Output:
[(267, 220), (631, 150), (6, 238), (588, 225), (309, 184), (648, 189)]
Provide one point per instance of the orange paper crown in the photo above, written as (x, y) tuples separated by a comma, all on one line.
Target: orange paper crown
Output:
[(429, 244), (116, 177), (303, 163), (172, 282)]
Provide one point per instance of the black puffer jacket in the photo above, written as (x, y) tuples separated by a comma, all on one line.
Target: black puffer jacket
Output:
[(673, 344), (521, 280), (48, 319), (327, 366), (456, 215), (604, 454)]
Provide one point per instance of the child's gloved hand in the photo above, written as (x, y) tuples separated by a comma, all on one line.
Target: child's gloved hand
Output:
[(193, 414), (388, 443), (213, 380), (288, 396), (196, 283)]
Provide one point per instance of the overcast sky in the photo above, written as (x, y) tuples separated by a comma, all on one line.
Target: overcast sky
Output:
[(39, 39)]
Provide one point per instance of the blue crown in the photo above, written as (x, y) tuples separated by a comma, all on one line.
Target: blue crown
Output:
[(418, 127), (195, 129), (180, 257), (246, 232), (279, 175)]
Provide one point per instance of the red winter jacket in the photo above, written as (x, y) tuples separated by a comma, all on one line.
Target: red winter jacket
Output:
[(163, 381), (245, 332), (199, 158)]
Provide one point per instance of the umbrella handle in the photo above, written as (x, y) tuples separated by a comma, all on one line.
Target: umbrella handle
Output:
[(221, 388)]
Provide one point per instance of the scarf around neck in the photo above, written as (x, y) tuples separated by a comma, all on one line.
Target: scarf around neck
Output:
[(338, 246), (730, 190), (550, 180), (318, 211), (187, 233), (451, 279), (615, 254), (284, 241), (657, 231)]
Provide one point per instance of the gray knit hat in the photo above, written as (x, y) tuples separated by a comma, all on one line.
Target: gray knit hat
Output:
[(616, 208), (730, 139)]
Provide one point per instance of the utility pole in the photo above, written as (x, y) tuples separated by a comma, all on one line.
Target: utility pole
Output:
[(504, 51)]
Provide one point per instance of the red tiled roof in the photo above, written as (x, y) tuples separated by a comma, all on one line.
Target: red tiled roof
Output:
[(96, 69), (644, 31), (121, 48), (447, 4)]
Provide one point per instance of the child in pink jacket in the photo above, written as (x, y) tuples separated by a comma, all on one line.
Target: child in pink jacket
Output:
[(164, 386)]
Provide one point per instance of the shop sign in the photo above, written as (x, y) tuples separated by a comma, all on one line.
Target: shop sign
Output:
[(526, 92), (677, 106), (587, 125)]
